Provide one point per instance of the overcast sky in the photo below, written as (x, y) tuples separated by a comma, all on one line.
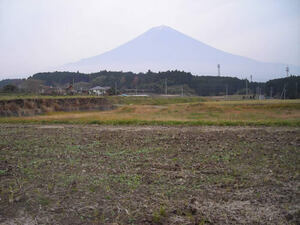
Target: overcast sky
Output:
[(37, 35)]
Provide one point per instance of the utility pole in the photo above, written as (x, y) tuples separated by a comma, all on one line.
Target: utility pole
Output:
[(251, 92), (166, 87), (226, 91), (259, 92), (283, 92), (182, 91), (116, 88), (136, 89), (246, 87), (287, 69), (219, 70), (271, 92)]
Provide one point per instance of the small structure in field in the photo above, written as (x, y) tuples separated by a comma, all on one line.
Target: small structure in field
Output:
[(99, 90), (50, 90), (70, 90)]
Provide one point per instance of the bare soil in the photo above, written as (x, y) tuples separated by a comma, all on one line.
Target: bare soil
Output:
[(76, 174)]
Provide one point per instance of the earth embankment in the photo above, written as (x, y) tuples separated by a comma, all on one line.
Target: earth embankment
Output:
[(30, 107)]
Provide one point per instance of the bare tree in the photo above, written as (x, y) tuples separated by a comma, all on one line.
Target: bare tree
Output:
[(32, 86)]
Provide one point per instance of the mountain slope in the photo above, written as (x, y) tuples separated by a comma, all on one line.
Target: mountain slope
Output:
[(163, 48)]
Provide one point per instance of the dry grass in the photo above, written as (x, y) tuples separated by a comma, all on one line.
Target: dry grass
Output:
[(210, 112)]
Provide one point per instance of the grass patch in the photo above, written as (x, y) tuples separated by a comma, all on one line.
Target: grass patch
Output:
[(287, 123), (179, 111), (153, 100)]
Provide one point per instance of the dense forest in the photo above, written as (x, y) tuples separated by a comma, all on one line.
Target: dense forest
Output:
[(152, 82), (175, 81), (284, 86)]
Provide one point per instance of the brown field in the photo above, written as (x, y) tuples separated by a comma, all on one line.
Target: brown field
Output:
[(90, 174)]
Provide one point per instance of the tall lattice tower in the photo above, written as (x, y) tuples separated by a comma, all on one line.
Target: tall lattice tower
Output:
[(287, 69), (219, 70)]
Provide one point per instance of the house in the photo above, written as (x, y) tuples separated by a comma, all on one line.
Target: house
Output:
[(50, 90), (70, 90), (99, 90)]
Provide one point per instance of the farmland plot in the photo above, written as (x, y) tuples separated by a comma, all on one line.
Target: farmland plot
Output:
[(88, 174)]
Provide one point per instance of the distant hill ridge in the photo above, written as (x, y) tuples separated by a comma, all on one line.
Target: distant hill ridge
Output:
[(163, 48), (176, 81)]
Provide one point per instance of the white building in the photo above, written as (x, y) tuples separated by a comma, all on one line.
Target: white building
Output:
[(99, 90)]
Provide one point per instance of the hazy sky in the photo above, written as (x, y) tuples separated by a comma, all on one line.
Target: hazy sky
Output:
[(37, 35)]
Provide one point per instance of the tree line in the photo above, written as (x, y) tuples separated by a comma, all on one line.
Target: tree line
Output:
[(176, 81)]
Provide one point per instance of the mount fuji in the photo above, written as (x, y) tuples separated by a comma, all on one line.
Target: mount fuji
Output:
[(163, 48)]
